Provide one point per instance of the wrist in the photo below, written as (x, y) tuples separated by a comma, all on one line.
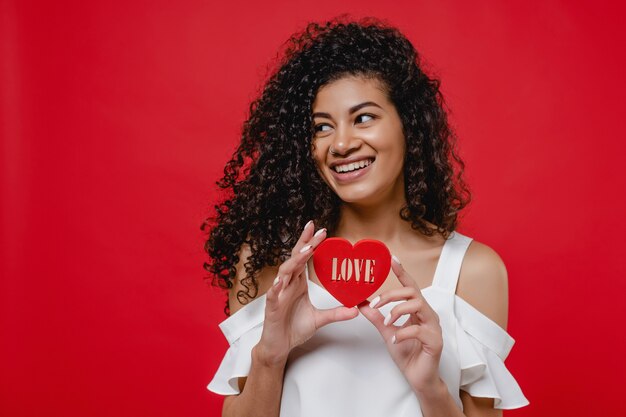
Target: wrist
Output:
[(266, 359), (433, 392)]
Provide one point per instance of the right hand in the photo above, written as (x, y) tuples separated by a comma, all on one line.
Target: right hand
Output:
[(290, 318)]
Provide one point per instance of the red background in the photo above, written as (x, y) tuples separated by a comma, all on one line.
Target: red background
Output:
[(117, 117)]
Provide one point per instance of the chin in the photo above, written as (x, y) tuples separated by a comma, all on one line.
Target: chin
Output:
[(357, 197)]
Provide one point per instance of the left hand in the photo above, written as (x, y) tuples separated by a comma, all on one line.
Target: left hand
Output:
[(416, 345)]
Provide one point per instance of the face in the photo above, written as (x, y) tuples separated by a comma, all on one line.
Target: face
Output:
[(358, 142)]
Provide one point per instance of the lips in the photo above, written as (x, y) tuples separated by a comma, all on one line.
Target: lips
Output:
[(349, 170), (351, 166)]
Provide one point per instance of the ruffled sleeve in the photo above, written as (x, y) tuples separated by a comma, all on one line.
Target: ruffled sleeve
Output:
[(243, 331), (483, 347)]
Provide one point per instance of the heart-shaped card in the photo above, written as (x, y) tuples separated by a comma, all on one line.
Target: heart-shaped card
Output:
[(351, 274)]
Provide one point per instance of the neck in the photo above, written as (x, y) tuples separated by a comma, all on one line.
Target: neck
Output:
[(381, 222)]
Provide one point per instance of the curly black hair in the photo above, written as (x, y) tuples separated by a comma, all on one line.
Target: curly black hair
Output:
[(272, 184)]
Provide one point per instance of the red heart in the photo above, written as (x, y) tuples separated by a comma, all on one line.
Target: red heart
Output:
[(351, 274)]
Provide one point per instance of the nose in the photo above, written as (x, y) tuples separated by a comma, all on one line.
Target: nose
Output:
[(344, 142)]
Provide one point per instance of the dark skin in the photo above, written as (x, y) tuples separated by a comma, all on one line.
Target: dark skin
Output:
[(370, 210)]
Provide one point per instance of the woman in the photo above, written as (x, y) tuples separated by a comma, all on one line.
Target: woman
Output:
[(349, 138)]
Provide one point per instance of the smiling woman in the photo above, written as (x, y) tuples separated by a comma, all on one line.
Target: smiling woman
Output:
[(358, 144), (351, 136)]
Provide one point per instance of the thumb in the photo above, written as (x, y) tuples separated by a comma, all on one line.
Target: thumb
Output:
[(377, 319), (324, 317)]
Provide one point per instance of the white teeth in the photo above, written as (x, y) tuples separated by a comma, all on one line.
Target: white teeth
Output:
[(353, 166)]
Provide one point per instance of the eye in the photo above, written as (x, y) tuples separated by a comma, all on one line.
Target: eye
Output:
[(322, 127), (365, 117)]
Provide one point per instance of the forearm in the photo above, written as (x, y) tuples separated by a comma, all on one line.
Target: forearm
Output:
[(437, 402), (262, 393)]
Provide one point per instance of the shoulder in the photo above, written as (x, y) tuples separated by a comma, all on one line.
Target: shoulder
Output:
[(245, 289), (483, 282)]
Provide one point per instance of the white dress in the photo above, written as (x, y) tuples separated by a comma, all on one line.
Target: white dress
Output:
[(345, 369)]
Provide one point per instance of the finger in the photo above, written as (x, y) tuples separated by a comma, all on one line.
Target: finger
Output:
[(272, 294), (418, 306), (413, 306), (318, 237), (332, 315), (431, 340), (396, 294), (289, 268), (297, 263), (403, 276), (296, 285), (289, 279), (294, 266), (377, 319), (305, 236), (305, 252)]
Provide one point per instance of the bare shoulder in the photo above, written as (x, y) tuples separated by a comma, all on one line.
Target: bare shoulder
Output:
[(483, 282), (244, 291)]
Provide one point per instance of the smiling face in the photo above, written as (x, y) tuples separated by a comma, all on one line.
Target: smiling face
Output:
[(358, 142)]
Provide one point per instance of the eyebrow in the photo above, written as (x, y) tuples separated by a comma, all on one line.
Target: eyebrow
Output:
[(352, 109)]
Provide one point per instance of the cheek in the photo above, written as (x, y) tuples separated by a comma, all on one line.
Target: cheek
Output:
[(318, 160), (318, 152), (400, 144), (393, 145), (315, 154)]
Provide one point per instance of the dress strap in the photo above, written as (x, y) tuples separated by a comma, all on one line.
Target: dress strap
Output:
[(450, 260)]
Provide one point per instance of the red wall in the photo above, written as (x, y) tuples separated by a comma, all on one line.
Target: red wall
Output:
[(116, 118)]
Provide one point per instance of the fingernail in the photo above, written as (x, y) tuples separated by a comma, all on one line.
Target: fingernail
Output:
[(387, 319), (306, 248), (395, 258), (308, 223), (375, 302), (393, 339), (319, 232), (276, 280)]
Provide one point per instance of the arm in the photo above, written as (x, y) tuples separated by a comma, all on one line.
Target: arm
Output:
[(262, 393), (416, 346), (483, 282), (264, 389), (290, 319)]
